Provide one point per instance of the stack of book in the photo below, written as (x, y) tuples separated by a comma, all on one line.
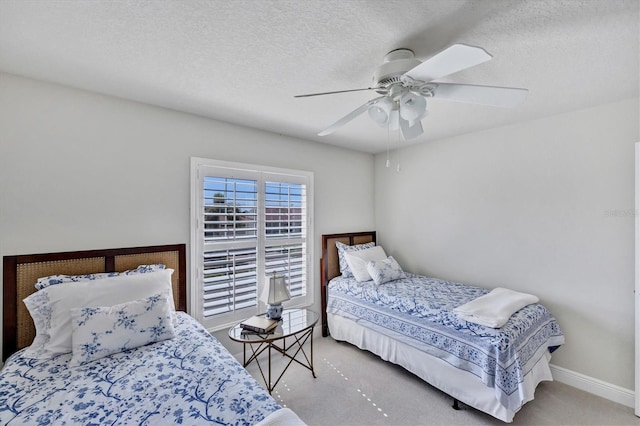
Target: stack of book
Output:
[(258, 325)]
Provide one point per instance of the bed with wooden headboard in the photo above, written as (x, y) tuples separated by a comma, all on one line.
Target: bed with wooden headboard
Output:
[(469, 362), (330, 265), (109, 374), (22, 271)]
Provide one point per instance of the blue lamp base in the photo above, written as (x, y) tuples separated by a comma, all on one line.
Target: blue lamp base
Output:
[(274, 311)]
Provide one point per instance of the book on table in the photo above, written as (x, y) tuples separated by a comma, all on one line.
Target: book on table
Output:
[(259, 324), (247, 332)]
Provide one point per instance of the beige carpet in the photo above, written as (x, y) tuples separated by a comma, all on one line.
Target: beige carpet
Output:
[(355, 387)]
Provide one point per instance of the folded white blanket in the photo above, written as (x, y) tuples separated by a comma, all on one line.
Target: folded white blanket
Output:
[(495, 308)]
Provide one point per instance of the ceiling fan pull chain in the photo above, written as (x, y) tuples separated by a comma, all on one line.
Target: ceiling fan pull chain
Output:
[(388, 143), (398, 164)]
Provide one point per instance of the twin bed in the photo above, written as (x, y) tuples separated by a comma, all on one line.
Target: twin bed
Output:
[(411, 320), (179, 375)]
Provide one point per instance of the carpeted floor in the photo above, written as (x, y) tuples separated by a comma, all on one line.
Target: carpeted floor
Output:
[(355, 387)]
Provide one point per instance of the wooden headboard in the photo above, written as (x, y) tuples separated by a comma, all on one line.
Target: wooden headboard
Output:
[(330, 266), (21, 273)]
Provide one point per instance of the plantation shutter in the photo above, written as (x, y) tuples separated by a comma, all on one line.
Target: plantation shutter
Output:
[(249, 222), (230, 273), (286, 231)]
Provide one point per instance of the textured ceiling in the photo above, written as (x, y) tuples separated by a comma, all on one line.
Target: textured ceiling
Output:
[(242, 61)]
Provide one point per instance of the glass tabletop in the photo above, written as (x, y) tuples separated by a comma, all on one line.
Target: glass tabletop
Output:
[(293, 321)]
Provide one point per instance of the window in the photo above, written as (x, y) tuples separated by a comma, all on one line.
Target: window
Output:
[(248, 222)]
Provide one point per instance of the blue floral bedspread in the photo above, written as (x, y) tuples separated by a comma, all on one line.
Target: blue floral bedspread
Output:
[(418, 311), (191, 380)]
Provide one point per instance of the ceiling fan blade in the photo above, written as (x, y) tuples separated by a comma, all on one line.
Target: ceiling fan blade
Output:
[(353, 114), (410, 132), (504, 97), (453, 59), (379, 89)]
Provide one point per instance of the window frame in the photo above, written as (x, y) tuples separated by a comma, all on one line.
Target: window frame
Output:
[(201, 167)]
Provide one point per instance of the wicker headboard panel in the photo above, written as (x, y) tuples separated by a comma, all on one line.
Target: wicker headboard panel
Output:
[(330, 266), (22, 271)]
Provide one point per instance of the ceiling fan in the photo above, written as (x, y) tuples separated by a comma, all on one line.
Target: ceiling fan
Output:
[(404, 82)]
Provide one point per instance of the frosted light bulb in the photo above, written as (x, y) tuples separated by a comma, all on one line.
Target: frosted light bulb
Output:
[(378, 115), (379, 112), (413, 108)]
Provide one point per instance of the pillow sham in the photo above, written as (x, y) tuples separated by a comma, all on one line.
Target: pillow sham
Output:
[(101, 331), (383, 271), (358, 259), (342, 249), (50, 307), (45, 282)]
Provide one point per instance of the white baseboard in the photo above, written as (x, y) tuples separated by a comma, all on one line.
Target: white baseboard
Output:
[(595, 386)]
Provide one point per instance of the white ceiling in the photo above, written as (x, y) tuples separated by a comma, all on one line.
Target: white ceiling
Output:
[(242, 61)]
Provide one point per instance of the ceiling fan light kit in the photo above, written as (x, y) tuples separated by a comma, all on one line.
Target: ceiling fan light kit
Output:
[(405, 82)]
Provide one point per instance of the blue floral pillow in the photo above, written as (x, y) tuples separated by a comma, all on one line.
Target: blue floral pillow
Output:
[(45, 282), (342, 248), (101, 331), (383, 271)]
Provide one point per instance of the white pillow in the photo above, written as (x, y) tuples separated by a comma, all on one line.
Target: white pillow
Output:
[(45, 282), (50, 307), (101, 331), (357, 261), (342, 249), (383, 271)]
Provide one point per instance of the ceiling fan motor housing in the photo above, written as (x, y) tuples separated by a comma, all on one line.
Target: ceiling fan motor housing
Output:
[(396, 63)]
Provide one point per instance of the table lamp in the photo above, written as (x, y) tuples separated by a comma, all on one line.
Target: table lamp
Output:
[(275, 293)]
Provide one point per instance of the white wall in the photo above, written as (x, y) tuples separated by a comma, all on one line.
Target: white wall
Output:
[(541, 207), (80, 171), (545, 207)]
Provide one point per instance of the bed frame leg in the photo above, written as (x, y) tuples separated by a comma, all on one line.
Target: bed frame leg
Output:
[(456, 405)]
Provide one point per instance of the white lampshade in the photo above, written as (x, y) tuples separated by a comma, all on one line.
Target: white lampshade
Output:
[(413, 107), (380, 111), (275, 291)]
